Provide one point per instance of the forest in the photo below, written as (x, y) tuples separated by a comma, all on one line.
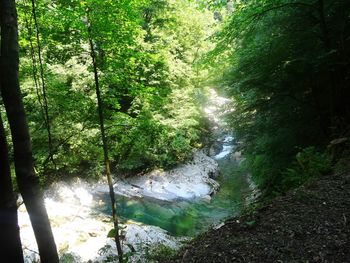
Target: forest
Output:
[(125, 93)]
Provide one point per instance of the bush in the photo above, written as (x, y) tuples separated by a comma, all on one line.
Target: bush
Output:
[(161, 253), (309, 163)]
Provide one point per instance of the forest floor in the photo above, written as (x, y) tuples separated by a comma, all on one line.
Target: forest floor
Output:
[(309, 224)]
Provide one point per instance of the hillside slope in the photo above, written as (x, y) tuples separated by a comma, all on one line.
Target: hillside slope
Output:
[(310, 224)]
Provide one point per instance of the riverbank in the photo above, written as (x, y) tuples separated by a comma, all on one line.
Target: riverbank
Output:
[(310, 224), (192, 180), (159, 208), (81, 230)]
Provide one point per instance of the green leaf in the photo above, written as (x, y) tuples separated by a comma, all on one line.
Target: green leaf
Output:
[(112, 233)]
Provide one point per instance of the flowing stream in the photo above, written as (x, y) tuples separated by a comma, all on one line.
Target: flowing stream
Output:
[(190, 217), (184, 217), (80, 214)]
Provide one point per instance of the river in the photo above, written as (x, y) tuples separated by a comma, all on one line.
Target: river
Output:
[(189, 217), (80, 213)]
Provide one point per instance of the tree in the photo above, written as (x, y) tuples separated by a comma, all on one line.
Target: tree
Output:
[(287, 69), (104, 139), (43, 84), (147, 54), (11, 94), (10, 242)]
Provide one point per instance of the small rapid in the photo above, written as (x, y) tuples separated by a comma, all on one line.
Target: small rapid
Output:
[(227, 148)]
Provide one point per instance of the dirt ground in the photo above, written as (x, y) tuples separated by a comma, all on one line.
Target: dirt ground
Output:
[(310, 224)]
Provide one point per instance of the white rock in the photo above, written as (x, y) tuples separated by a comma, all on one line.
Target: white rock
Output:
[(188, 181), (80, 232)]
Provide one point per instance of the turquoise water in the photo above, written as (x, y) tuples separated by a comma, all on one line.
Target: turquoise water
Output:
[(185, 218)]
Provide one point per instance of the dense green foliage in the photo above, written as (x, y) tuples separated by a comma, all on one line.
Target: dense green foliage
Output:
[(147, 62), (287, 68), (127, 81), (285, 63)]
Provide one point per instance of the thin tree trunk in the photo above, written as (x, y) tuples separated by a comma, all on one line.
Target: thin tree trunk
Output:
[(104, 143), (34, 66), (10, 242), (43, 85), (26, 179)]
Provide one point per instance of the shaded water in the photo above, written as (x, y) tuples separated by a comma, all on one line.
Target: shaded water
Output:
[(188, 218)]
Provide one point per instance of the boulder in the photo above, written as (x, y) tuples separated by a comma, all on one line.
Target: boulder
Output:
[(188, 181)]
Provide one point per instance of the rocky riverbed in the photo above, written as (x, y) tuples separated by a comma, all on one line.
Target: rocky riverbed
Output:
[(161, 207), (81, 230), (193, 180)]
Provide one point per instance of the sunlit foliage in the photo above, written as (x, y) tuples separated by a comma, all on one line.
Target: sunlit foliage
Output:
[(147, 61)]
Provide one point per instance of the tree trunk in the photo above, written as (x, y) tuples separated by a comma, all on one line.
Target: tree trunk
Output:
[(10, 242), (34, 63), (104, 142), (26, 179), (43, 86)]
